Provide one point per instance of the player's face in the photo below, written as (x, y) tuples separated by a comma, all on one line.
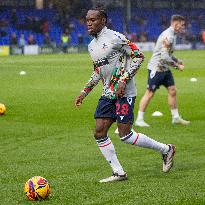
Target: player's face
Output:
[(180, 27), (95, 22)]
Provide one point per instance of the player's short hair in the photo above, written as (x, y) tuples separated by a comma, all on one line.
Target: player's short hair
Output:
[(101, 11), (177, 17)]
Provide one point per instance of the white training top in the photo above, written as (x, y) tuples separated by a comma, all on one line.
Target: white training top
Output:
[(162, 56), (115, 59)]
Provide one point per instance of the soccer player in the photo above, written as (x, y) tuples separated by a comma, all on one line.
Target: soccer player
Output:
[(160, 74), (116, 61)]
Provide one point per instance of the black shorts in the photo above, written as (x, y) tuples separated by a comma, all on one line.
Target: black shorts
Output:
[(156, 79), (119, 109)]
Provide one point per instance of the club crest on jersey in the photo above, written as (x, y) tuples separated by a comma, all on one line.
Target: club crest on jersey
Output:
[(104, 46)]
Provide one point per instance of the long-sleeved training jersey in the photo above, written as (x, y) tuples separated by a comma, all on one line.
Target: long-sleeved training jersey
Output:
[(115, 59), (162, 56)]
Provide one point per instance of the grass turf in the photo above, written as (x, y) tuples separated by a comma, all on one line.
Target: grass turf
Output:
[(42, 133)]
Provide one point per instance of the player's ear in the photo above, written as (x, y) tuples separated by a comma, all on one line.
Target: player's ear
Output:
[(104, 21)]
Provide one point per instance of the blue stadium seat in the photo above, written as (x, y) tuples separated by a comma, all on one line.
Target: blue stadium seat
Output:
[(152, 27)]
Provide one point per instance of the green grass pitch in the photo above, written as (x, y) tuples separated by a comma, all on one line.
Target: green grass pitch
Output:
[(42, 133)]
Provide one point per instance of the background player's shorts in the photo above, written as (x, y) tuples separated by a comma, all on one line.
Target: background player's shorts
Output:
[(120, 109), (156, 79)]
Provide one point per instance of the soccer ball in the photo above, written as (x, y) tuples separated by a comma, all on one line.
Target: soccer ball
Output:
[(37, 188), (2, 109)]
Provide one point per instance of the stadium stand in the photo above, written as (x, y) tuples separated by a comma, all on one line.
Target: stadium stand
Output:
[(147, 22)]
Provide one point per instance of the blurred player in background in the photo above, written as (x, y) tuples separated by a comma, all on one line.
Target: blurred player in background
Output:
[(160, 74), (116, 61)]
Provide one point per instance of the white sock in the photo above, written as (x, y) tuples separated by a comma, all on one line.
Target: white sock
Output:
[(175, 113), (107, 148), (140, 115), (142, 140)]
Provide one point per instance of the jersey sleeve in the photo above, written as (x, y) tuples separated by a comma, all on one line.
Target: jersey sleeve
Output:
[(130, 49), (175, 59), (93, 81), (166, 55)]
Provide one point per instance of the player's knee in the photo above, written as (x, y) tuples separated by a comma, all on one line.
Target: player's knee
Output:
[(172, 91), (149, 94), (121, 134), (98, 133)]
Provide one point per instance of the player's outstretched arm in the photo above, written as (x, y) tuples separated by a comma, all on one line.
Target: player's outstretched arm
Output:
[(93, 81), (179, 63), (167, 57), (79, 99)]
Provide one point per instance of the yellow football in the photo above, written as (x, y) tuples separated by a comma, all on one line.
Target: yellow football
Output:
[(2, 109), (37, 188)]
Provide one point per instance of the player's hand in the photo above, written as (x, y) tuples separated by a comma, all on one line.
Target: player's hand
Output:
[(181, 67), (120, 90), (79, 99), (180, 62)]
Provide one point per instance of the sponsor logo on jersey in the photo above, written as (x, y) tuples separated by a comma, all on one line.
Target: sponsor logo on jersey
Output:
[(101, 62)]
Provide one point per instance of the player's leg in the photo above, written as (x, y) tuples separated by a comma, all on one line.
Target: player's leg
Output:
[(142, 107), (105, 116), (142, 140), (153, 83), (108, 150), (125, 118), (172, 99)]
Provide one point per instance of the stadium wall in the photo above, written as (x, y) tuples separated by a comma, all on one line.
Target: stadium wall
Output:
[(36, 49)]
